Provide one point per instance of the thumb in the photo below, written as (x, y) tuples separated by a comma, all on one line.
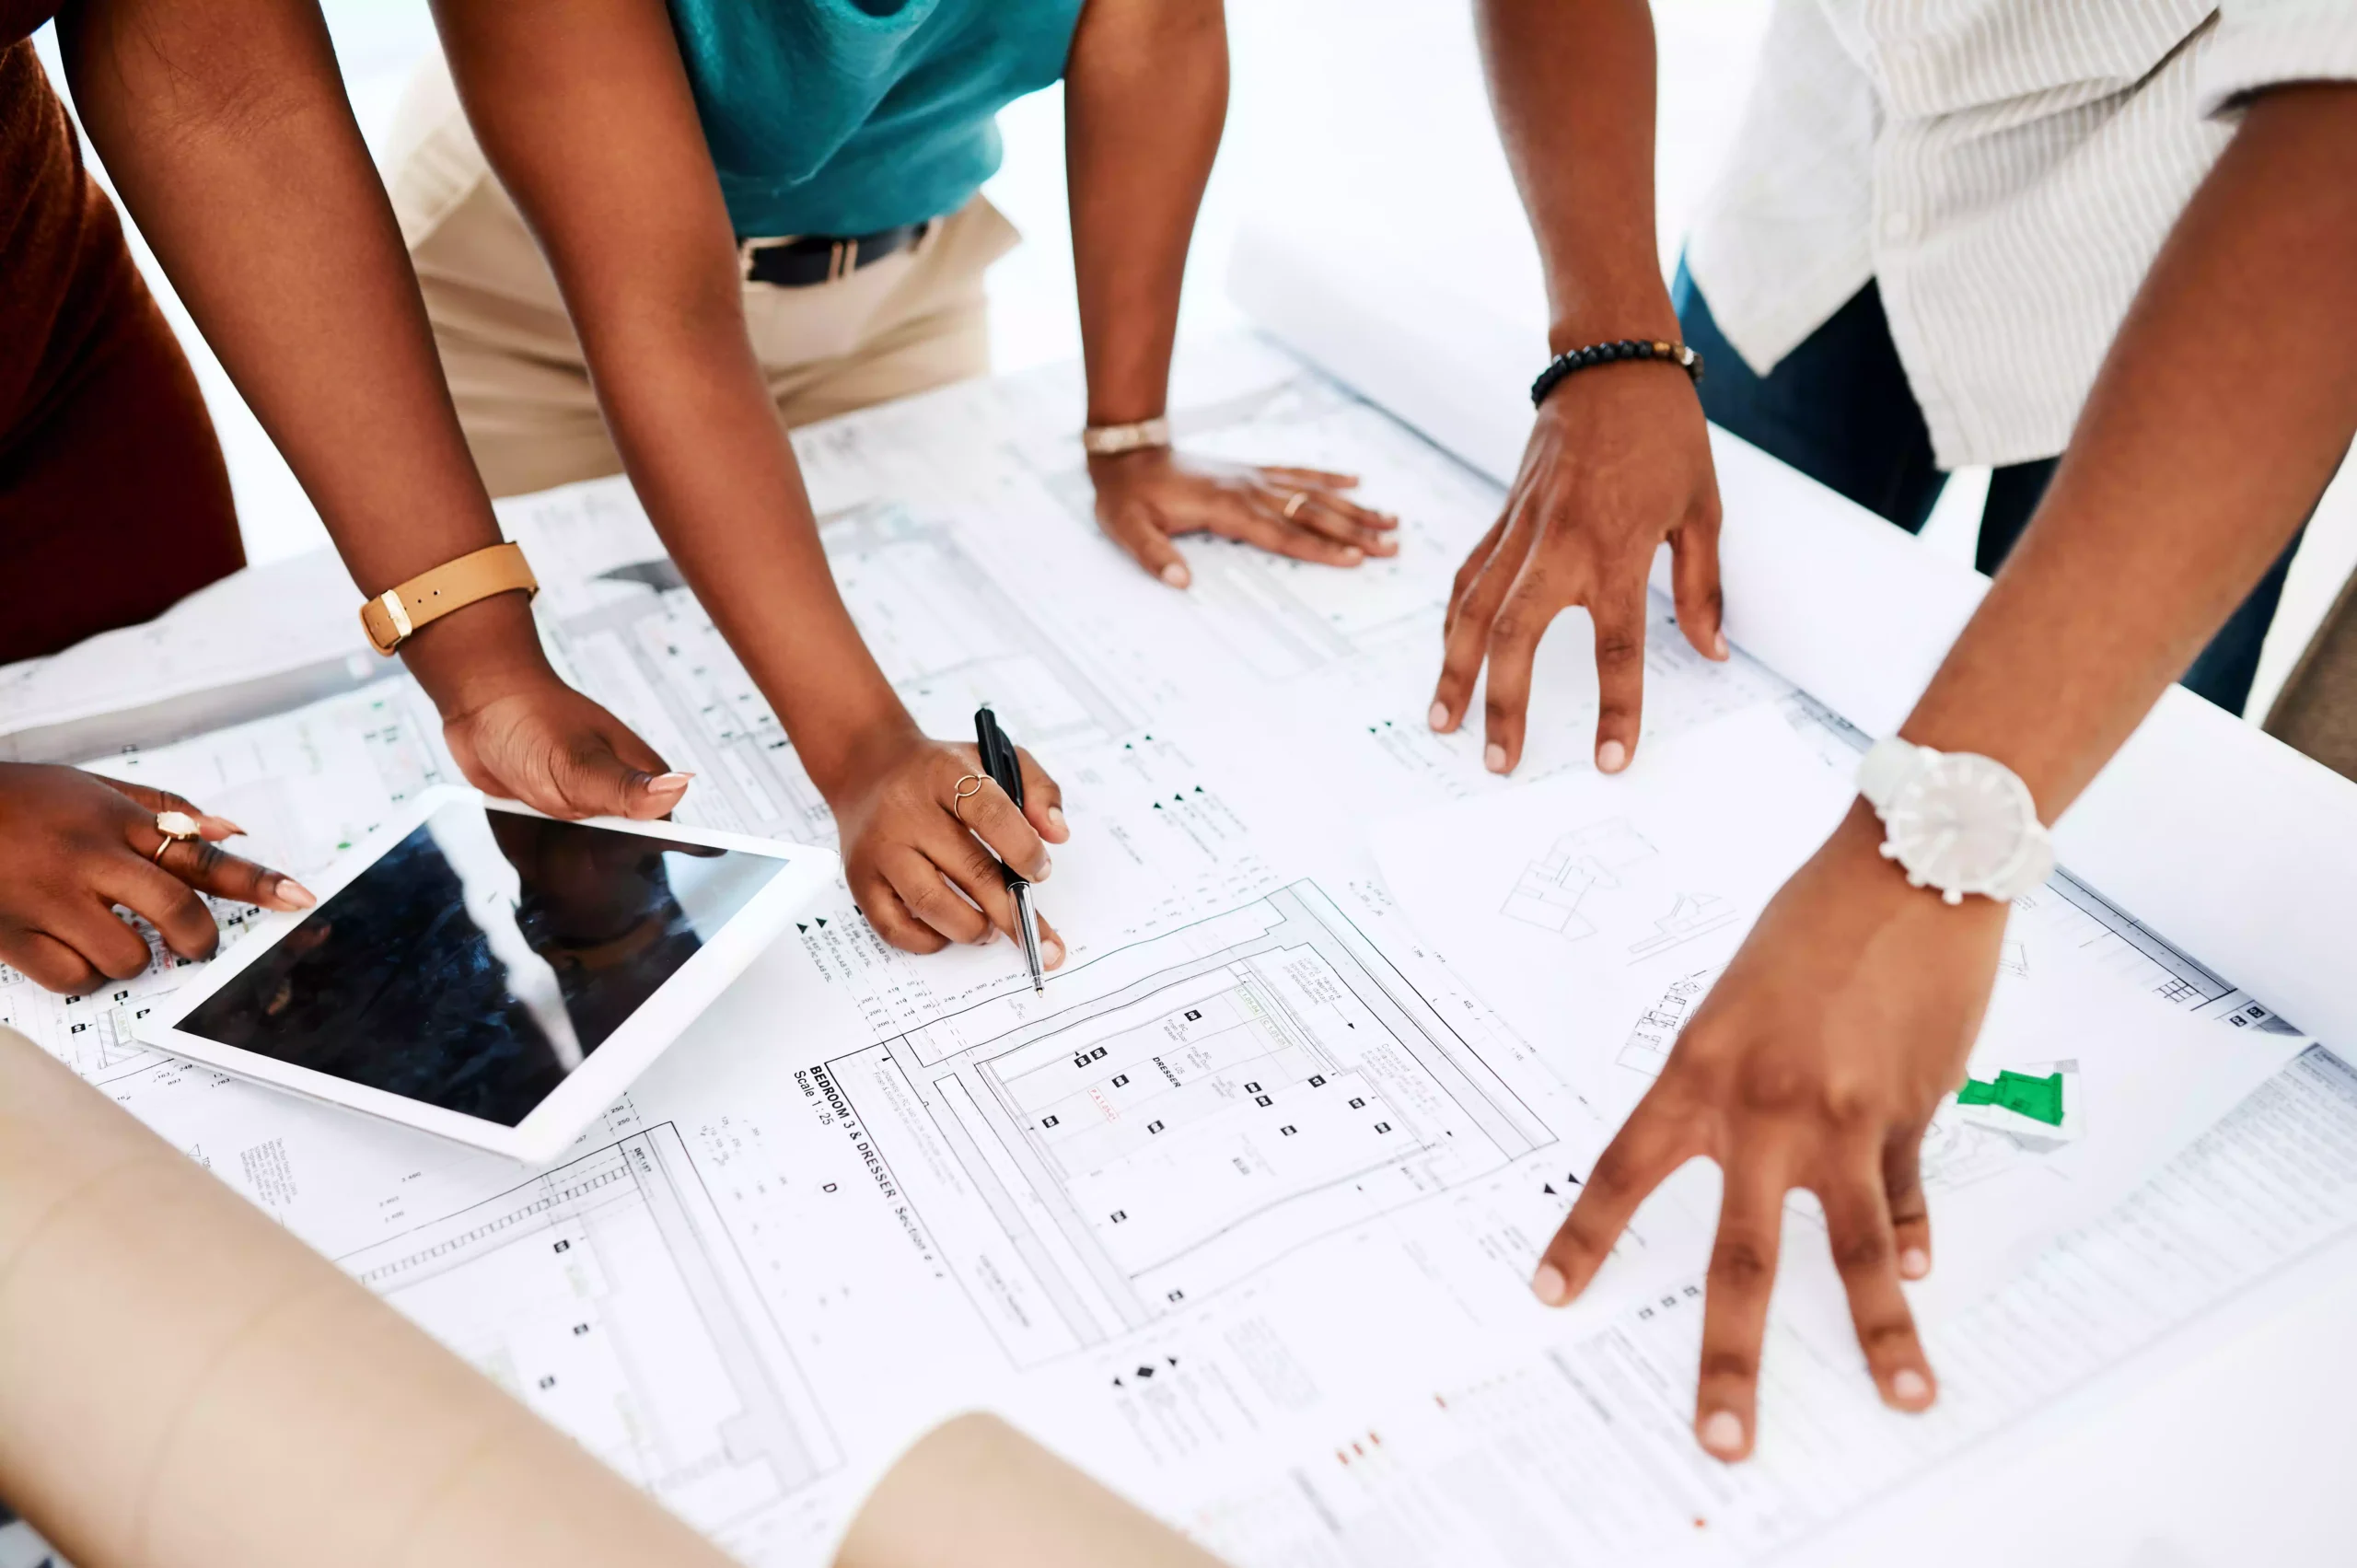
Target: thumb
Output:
[(1135, 530), (594, 781)]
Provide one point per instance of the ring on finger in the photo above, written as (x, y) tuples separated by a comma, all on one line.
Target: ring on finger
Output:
[(177, 827), (969, 786), (1294, 502)]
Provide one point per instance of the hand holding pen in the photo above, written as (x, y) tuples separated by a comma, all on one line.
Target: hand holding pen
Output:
[(1005, 770)]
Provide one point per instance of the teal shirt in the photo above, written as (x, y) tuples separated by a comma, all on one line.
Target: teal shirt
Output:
[(848, 116)]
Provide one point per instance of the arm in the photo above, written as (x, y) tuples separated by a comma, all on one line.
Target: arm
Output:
[(1619, 459), (228, 134), (2220, 414), (1146, 92), (583, 109)]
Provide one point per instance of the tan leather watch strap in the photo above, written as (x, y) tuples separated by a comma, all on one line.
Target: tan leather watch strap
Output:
[(393, 616)]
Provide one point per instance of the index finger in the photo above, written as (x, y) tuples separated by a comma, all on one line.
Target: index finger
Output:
[(153, 799), (209, 868)]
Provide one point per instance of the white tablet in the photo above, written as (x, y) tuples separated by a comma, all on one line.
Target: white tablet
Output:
[(491, 974)]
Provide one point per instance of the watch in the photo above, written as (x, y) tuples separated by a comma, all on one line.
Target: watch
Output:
[(1956, 821), (394, 616)]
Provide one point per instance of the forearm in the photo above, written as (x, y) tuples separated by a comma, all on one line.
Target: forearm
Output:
[(709, 459), (1145, 94), (583, 108), (2225, 403), (228, 133), (1572, 85)]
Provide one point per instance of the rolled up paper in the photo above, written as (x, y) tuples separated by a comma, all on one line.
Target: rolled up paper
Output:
[(184, 1385)]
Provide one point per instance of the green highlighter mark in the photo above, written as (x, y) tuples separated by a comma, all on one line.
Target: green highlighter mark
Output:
[(2040, 1100)]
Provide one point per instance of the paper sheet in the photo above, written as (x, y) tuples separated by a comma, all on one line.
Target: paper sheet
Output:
[(838, 1210), (1597, 911)]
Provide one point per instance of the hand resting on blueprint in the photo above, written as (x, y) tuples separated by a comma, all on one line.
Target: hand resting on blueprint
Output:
[(1619, 460), (1816, 1062), (1144, 498), (76, 845)]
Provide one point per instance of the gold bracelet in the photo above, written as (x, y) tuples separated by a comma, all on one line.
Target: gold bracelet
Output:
[(1111, 440), (394, 616)]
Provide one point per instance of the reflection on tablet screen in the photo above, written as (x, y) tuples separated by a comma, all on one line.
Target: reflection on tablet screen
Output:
[(481, 958)]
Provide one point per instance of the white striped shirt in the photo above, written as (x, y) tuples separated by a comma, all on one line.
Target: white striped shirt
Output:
[(2005, 169)]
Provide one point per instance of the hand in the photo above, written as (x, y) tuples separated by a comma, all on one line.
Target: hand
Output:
[(77, 844), (1147, 497), (557, 751), (1618, 461), (519, 732), (1816, 1062), (916, 859)]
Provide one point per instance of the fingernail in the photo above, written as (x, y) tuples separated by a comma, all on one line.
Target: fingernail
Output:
[(1719, 644), (1056, 818), (1385, 547), (666, 782), (1175, 575), (1909, 1387), (294, 895), (1352, 555), (228, 830), (1723, 1434), (1051, 952), (1611, 757), (1046, 866), (1438, 717), (1549, 1286), (1914, 1264), (1494, 759)]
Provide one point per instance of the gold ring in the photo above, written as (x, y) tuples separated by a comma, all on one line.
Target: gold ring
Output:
[(1293, 502), (176, 827), (969, 786)]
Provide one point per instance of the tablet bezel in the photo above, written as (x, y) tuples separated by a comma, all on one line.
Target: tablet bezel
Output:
[(603, 1076)]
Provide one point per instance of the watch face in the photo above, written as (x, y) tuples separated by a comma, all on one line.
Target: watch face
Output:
[(1960, 822)]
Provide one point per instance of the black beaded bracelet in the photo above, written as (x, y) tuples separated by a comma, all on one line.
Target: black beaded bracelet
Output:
[(1562, 365)]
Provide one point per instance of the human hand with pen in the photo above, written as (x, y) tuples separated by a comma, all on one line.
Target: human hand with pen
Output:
[(925, 834)]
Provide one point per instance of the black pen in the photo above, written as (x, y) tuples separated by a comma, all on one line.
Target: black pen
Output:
[(1007, 770)]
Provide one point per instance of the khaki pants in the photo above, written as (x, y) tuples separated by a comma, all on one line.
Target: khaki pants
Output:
[(912, 321)]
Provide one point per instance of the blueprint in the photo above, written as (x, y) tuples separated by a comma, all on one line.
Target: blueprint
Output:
[(1240, 1215)]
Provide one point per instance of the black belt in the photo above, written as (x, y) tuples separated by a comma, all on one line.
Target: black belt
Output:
[(822, 258)]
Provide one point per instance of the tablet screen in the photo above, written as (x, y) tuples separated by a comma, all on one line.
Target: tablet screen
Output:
[(481, 958)]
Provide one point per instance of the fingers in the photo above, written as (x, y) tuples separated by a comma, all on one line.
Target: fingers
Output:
[(1257, 518), (168, 903), (1286, 476), (208, 868), (1657, 1138), (987, 814), (888, 912), (101, 936), (1521, 621), (1474, 606), (930, 899), (1305, 498), (1735, 1304), (1136, 529), (1619, 616), (51, 964), (1857, 1222), (1043, 800), (1911, 1219), (1694, 586), (157, 800)]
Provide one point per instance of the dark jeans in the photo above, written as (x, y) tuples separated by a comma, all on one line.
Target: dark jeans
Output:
[(1837, 407)]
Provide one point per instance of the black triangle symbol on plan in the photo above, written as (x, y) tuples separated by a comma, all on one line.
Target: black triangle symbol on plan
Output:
[(822, 922), (1571, 1179), (800, 925), (1548, 1187)]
